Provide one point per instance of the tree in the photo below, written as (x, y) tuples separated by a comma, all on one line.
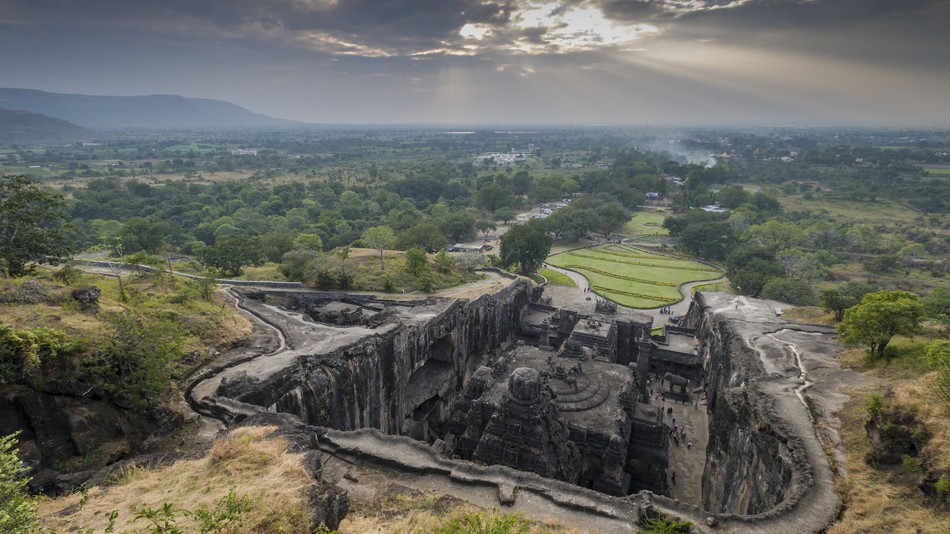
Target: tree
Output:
[(308, 242), (484, 227), (443, 262), (879, 317), (732, 196), (229, 255), (525, 244), (379, 238), (416, 261), (505, 214), (790, 291), (610, 217), (841, 298), (493, 197), (33, 225), (425, 235), (17, 508), (139, 233), (458, 226)]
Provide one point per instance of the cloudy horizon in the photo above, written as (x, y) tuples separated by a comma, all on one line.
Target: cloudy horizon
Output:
[(675, 62)]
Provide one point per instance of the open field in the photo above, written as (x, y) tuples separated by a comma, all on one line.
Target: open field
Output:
[(633, 277), (942, 170), (841, 208), (645, 223), (557, 279)]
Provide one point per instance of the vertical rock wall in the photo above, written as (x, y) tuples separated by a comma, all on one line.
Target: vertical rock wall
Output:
[(366, 384), (749, 464)]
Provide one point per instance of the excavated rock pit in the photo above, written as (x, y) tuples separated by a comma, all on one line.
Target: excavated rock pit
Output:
[(374, 371)]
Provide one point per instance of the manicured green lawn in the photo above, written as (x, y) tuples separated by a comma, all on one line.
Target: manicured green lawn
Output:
[(557, 279), (943, 171), (633, 277), (645, 223)]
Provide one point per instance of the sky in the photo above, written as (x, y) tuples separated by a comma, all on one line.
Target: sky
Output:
[(630, 62)]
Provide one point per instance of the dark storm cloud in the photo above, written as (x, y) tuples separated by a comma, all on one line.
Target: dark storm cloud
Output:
[(390, 26), (496, 60)]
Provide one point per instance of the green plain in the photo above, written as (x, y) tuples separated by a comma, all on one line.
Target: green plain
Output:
[(942, 171), (604, 267), (556, 279), (645, 223)]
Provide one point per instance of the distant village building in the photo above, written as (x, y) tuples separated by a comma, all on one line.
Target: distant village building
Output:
[(712, 208), (244, 152), (462, 247)]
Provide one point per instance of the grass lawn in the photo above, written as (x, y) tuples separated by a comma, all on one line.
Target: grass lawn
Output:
[(645, 223), (557, 279), (633, 277), (942, 170), (723, 287)]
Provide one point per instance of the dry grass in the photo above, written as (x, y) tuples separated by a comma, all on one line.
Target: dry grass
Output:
[(886, 499), (423, 513), (256, 466), (879, 500), (810, 315)]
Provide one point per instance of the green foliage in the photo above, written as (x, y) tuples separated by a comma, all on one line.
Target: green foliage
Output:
[(493, 197), (229, 255), (874, 406), (525, 245), (750, 267), (911, 463), (665, 525), (791, 291), (162, 521), (24, 351), (841, 298), (505, 214), (458, 226), (379, 238), (416, 261), (33, 225), (68, 274), (938, 355), (134, 367), (879, 317), (610, 217), (481, 523), (17, 508), (443, 262), (425, 235), (943, 488), (224, 516)]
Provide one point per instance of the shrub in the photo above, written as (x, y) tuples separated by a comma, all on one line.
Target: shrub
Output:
[(17, 508), (480, 523), (874, 405)]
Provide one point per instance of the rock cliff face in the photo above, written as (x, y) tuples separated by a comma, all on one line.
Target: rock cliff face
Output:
[(400, 379), (769, 383), (748, 465)]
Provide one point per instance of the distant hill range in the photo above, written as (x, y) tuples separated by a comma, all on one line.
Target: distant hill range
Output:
[(138, 112), (26, 127)]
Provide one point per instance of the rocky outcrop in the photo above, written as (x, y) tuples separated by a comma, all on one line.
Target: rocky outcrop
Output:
[(395, 377), (66, 432)]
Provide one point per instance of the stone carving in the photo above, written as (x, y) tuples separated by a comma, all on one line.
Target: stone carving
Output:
[(526, 433)]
